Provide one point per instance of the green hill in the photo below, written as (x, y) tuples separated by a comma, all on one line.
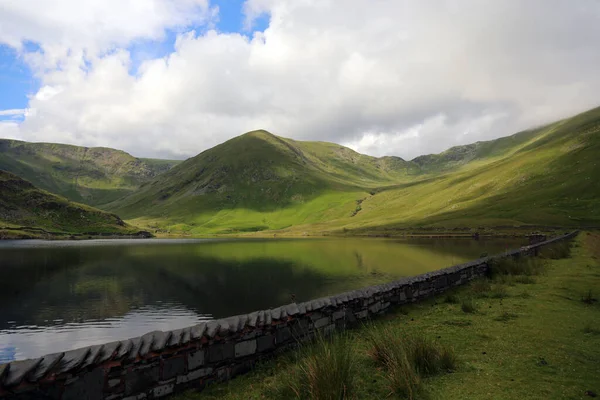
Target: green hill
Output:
[(93, 175), (259, 181), (28, 211)]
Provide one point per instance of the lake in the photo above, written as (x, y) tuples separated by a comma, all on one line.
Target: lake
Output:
[(61, 295)]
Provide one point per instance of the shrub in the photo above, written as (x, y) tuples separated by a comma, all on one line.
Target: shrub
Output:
[(326, 370), (468, 306)]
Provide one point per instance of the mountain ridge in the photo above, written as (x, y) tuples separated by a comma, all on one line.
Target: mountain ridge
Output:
[(25, 209), (91, 175), (327, 187)]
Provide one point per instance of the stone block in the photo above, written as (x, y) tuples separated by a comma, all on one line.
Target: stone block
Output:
[(300, 327), (220, 352), (173, 367), (375, 308), (316, 315), (361, 314), (320, 323), (350, 317), (195, 359), (338, 315), (111, 383), (140, 396), (264, 343), (89, 386), (283, 335), (141, 379), (163, 390), (194, 375), (246, 348)]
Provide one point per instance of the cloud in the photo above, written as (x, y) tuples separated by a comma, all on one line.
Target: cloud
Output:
[(387, 78), (15, 111)]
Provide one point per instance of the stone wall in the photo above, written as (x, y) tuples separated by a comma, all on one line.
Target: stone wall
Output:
[(161, 363)]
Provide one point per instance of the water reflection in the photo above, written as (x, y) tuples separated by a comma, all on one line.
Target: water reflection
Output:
[(62, 295)]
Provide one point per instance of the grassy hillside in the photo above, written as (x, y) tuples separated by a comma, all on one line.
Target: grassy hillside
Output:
[(23, 206), (93, 176), (259, 181), (550, 176)]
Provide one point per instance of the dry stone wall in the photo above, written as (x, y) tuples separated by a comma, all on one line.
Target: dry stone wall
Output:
[(161, 363)]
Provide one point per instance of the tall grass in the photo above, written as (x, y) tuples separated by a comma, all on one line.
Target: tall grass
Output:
[(468, 306), (408, 358), (556, 251), (326, 370), (527, 266)]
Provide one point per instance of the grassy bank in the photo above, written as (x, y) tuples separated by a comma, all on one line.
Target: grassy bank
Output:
[(531, 331)]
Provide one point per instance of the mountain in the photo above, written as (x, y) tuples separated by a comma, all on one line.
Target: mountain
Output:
[(548, 176), (93, 175), (28, 211), (259, 181)]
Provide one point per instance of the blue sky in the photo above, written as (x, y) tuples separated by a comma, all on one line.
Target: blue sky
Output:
[(17, 81)]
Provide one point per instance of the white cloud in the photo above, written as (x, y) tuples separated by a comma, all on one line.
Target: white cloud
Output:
[(14, 111), (9, 130), (386, 77)]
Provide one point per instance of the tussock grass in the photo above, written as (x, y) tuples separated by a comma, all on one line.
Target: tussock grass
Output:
[(468, 306), (526, 266), (589, 298), (451, 298), (588, 329), (326, 370), (506, 316), (556, 251), (481, 287), (498, 292), (408, 358)]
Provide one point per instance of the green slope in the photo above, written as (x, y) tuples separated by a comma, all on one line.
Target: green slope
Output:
[(23, 206), (93, 176), (259, 181), (550, 176)]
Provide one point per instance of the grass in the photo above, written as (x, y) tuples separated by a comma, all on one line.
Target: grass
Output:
[(26, 211), (522, 266), (589, 298), (538, 342), (468, 306), (326, 370)]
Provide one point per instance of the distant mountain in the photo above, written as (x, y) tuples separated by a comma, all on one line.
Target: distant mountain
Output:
[(24, 208), (250, 179), (259, 181), (93, 175)]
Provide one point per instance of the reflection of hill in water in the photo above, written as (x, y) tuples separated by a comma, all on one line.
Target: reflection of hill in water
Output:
[(76, 284)]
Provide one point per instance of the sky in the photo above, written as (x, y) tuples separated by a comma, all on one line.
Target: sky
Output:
[(171, 78)]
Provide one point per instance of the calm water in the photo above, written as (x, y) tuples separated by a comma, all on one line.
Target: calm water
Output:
[(56, 296)]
